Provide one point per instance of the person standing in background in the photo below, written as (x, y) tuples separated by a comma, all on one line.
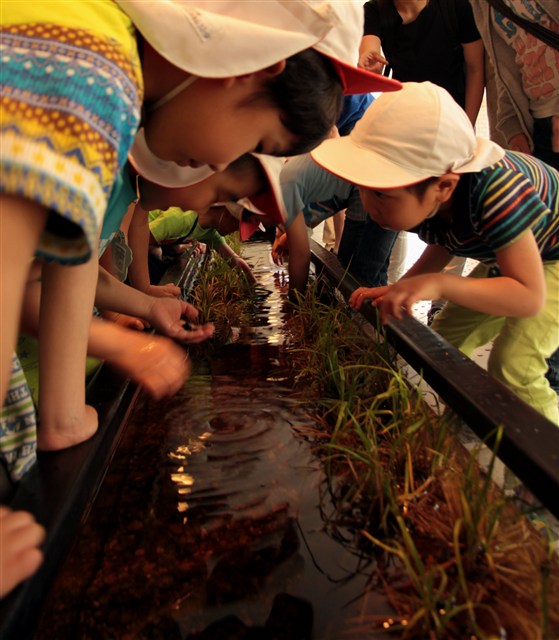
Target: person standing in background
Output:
[(525, 107), (435, 40), (524, 104)]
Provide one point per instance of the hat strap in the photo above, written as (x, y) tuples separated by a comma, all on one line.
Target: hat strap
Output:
[(171, 94)]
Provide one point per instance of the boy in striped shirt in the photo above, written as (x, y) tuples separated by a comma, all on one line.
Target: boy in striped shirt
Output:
[(420, 167)]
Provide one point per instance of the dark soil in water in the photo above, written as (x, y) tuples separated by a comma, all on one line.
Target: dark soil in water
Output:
[(210, 522)]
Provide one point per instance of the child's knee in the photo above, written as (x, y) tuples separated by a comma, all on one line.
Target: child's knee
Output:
[(515, 367)]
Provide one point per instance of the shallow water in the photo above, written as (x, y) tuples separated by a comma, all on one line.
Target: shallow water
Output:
[(210, 521)]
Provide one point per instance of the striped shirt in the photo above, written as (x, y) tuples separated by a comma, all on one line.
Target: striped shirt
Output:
[(495, 206)]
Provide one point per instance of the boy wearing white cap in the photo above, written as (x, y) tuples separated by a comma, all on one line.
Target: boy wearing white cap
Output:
[(420, 167), (76, 78)]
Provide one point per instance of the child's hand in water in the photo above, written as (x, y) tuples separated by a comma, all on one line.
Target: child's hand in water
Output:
[(279, 249), (20, 556), (245, 267), (167, 316), (157, 364)]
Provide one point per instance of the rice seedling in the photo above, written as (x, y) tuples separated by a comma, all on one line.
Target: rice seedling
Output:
[(459, 561), (223, 295)]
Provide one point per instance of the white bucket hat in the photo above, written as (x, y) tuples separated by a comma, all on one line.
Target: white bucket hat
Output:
[(269, 202), (164, 173), (223, 38), (406, 137)]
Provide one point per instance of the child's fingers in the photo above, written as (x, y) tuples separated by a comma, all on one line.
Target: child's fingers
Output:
[(188, 311), (27, 533), (194, 334), (359, 296), (11, 521)]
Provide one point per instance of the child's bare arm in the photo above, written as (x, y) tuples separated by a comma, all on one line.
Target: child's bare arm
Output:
[(235, 260), (156, 363), (138, 271), (475, 78), (299, 254), (166, 315), (518, 292), (138, 241), (433, 260)]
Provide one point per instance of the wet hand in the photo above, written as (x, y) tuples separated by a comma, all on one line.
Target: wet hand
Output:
[(157, 364), (279, 249), (167, 316), (244, 265)]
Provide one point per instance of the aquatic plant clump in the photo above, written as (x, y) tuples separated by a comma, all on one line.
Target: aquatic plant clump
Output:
[(455, 560), (223, 295)]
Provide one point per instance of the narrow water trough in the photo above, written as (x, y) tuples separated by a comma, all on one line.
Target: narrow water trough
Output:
[(203, 516)]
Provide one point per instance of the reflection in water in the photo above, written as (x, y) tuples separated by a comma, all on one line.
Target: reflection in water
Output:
[(208, 524)]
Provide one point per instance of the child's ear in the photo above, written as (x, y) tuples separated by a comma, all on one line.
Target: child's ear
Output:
[(269, 72), (446, 186)]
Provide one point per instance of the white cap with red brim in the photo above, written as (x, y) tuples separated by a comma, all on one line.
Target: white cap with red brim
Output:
[(269, 202), (406, 137)]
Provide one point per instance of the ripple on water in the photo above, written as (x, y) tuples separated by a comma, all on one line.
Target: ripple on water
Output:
[(209, 523)]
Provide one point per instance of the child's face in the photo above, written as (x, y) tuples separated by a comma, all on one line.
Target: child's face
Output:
[(227, 223), (399, 209), (214, 122), (224, 186)]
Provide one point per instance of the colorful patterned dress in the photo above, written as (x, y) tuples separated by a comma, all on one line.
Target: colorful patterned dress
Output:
[(71, 95)]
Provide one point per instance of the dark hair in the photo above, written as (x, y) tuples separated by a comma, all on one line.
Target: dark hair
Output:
[(247, 163), (419, 188), (247, 166), (308, 94)]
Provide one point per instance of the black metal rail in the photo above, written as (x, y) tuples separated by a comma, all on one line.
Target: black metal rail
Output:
[(530, 442)]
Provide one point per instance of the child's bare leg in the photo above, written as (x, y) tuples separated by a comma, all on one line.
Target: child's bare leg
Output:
[(21, 224), (20, 557), (66, 310)]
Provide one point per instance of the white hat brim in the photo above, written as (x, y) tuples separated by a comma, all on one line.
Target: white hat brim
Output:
[(269, 202), (219, 39), (365, 168), (164, 173), (360, 166)]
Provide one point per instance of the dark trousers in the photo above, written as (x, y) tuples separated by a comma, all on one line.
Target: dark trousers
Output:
[(365, 251)]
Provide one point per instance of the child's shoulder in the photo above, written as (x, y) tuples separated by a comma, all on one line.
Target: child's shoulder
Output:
[(516, 165)]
